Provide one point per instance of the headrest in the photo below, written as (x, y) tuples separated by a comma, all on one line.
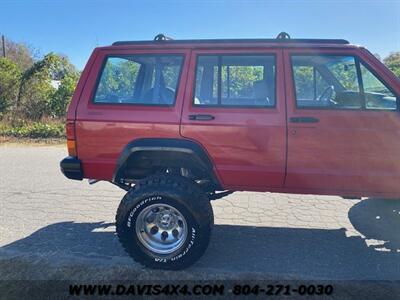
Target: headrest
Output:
[(260, 89)]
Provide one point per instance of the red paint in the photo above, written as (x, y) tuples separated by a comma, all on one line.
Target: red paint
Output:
[(347, 153), (102, 130), (247, 145), (356, 152)]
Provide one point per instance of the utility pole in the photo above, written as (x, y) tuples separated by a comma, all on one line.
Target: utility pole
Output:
[(4, 45)]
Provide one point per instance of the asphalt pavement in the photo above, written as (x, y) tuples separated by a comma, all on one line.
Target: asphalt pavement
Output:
[(55, 228)]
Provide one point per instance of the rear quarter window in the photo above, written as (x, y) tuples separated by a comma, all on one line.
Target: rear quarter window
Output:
[(139, 79)]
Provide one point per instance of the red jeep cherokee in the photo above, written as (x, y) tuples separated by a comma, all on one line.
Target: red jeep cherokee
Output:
[(179, 123)]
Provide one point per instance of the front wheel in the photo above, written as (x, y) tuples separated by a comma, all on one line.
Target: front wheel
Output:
[(165, 222)]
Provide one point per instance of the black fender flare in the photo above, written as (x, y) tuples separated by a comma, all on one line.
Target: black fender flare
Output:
[(188, 152)]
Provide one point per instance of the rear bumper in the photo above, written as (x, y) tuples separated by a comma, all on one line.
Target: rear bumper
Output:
[(71, 167)]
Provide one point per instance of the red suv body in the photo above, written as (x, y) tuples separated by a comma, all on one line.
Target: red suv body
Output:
[(179, 123), (294, 145)]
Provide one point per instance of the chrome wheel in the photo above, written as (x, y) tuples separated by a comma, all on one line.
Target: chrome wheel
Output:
[(161, 228)]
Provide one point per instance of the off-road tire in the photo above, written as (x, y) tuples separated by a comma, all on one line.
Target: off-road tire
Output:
[(180, 193)]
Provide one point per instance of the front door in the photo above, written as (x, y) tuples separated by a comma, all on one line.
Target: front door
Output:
[(235, 109), (343, 124)]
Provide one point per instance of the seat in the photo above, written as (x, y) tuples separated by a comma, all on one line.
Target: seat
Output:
[(260, 90)]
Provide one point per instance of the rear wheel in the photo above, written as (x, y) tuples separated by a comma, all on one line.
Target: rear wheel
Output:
[(165, 222)]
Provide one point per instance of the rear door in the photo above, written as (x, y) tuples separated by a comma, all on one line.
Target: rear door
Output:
[(129, 94), (235, 108), (343, 123)]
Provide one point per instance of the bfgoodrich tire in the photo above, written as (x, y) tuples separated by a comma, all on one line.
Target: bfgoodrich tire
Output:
[(165, 222)]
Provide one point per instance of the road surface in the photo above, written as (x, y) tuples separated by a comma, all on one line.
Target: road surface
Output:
[(55, 228)]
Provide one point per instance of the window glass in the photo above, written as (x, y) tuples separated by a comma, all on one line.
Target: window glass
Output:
[(139, 79), (235, 80), (321, 84), (304, 79), (344, 70), (377, 95), (326, 81), (310, 84)]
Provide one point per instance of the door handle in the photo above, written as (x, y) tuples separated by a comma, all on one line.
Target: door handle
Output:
[(201, 117), (304, 120)]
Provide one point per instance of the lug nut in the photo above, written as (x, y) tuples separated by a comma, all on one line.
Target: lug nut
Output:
[(154, 230), (151, 218), (164, 235)]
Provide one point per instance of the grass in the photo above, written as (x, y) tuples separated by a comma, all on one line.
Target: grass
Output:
[(6, 140), (48, 132), (35, 130)]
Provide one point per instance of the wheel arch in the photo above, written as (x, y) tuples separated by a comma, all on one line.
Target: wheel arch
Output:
[(141, 156)]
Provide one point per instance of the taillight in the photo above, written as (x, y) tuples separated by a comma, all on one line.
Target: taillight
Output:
[(71, 143), (70, 128)]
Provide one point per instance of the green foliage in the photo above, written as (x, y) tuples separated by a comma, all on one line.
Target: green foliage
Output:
[(241, 80), (61, 97), (345, 71), (393, 63), (37, 97), (171, 74), (309, 87), (34, 130), (10, 75), (118, 78), (35, 107), (34, 96), (28, 94), (303, 76), (20, 53)]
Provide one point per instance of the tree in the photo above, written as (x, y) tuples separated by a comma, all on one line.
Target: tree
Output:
[(10, 75), (393, 63), (26, 83), (35, 89), (60, 69), (62, 96), (241, 80), (20, 53), (118, 79), (37, 97)]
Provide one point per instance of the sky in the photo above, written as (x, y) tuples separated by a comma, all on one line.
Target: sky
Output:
[(75, 27)]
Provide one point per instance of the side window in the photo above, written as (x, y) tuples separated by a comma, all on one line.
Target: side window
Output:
[(116, 82), (310, 84), (377, 95), (235, 80), (326, 82), (139, 79), (338, 82)]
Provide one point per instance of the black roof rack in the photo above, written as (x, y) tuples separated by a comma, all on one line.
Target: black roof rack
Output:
[(282, 37), (162, 37)]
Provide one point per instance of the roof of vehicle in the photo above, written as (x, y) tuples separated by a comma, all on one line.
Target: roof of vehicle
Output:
[(282, 40)]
